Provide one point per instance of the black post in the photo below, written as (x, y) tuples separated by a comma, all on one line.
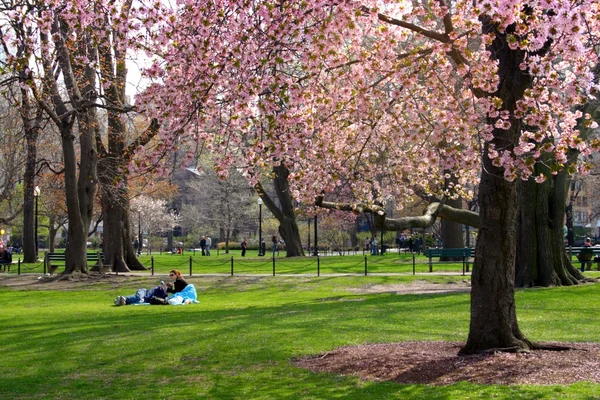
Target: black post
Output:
[(152, 261), (231, 265), (316, 253), (36, 225), (19, 267), (260, 253), (365, 265), (319, 265), (413, 256), (140, 246), (190, 265), (273, 264)]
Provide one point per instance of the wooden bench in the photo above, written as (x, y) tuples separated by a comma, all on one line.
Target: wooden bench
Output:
[(460, 252), (53, 260), (586, 256)]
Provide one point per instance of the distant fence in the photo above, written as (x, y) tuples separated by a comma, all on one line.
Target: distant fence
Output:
[(306, 266)]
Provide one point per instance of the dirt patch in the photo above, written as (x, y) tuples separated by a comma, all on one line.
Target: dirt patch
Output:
[(437, 363), (73, 282), (416, 287)]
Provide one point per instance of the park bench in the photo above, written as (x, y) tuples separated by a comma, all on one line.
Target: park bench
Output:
[(53, 260), (463, 253), (586, 256)]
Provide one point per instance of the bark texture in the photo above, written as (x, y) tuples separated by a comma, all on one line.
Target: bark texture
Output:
[(284, 212), (542, 259), (493, 312)]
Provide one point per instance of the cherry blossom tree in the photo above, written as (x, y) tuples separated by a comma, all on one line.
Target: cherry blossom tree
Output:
[(441, 90)]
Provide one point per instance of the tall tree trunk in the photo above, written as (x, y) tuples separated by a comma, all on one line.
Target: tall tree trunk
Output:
[(32, 125), (51, 232), (118, 247), (493, 311), (79, 196), (452, 236), (541, 255), (285, 213)]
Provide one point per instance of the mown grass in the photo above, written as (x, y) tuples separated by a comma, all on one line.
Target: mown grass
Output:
[(238, 343), (221, 263)]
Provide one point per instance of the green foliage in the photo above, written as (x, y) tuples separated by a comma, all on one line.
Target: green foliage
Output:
[(238, 342)]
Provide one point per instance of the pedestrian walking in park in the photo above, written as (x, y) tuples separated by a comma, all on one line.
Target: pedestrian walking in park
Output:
[(274, 240), (374, 246), (418, 245), (203, 245), (244, 245), (208, 245)]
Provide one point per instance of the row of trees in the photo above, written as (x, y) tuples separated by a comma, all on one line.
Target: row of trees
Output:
[(345, 106)]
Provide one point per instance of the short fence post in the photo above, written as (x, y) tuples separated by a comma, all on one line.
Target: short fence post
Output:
[(365, 265), (318, 267), (413, 257), (273, 264), (464, 263), (430, 263), (151, 264), (19, 267), (231, 265), (190, 265)]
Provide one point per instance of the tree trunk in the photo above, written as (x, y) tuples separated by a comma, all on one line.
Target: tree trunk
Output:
[(493, 311), (493, 314), (32, 129), (51, 233), (452, 236), (541, 255), (79, 191), (285, 213)]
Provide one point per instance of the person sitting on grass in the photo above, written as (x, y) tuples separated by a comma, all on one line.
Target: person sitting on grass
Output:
[(182, 293)]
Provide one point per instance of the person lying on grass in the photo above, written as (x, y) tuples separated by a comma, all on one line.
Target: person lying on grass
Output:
[(182, 293)]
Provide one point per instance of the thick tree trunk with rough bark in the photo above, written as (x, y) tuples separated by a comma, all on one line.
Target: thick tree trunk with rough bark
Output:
[(79, 190), (285, 213), (32, 129), (542, 259), (117, 245), (493, 310), (452, 235)]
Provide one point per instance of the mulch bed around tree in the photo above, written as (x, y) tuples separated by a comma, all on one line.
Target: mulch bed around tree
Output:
[(438, 363)]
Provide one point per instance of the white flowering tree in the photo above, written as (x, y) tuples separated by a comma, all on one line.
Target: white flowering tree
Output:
[(152, 215)]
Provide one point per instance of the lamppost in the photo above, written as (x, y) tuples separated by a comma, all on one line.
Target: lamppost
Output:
[(36, 194), (260, 249)]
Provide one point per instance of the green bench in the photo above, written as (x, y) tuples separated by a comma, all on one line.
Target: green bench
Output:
[(460, 252), (53, 260)]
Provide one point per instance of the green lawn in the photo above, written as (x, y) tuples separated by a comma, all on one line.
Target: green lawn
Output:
[(221, 263), (238, 342)]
